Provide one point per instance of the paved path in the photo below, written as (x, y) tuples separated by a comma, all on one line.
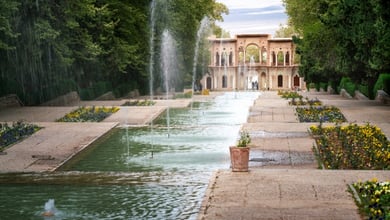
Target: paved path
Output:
[(51, 146), (284, 182), (284, 194)]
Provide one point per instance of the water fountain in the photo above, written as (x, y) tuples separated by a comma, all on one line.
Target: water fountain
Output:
[(50, 209), (168, 59), (152, 24), (203, 26), (251, 64)]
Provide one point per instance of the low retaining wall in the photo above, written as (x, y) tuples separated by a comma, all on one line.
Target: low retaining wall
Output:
[(360, 96), (11, 100), (64, 100), (383, 97), (345, 94)]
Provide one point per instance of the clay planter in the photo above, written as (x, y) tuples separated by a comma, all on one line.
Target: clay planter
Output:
[(239, 157)]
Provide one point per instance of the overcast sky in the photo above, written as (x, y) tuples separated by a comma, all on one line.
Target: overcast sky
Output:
[(253, 16)]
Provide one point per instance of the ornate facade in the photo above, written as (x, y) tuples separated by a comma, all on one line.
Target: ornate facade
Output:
[(252, 61)]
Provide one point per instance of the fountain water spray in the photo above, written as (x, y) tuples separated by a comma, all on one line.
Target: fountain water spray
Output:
[(50, 209), (203, 26), (151, 62), (168, 54)]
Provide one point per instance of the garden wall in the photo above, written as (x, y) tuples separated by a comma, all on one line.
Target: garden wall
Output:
[(383, 97), (11, 100), (360, 96), (64, 100)]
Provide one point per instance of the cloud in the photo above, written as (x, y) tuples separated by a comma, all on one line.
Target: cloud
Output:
[(253, 16), (240, 4)]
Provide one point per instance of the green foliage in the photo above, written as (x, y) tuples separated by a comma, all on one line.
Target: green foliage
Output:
[(374, 198), (7, 31), (97, 89), (383, 83), (124, 88), (186, 95), (244, 139), (364, 90), (348, 85), (44, 43), (323, 86), (285, 31), (349, 37)]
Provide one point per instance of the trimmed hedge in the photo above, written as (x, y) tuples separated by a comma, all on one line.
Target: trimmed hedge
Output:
[(347, 84), (383, 83)]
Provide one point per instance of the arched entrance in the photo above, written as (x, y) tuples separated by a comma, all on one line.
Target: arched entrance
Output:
[(280, 81), (263, 81), (296, 81), (224, 81), (208, 83)]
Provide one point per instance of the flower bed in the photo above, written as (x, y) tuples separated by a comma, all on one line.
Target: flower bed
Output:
[(352, 147), (17, 131), (139, 103), (373, 198), (289, 94), (300, 101), (320, 114), (297, 99), (88, 114)]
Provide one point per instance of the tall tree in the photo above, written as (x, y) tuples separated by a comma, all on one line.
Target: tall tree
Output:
[(342, 38)]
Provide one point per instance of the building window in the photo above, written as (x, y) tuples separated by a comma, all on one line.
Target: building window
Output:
[(217, 59), (273, 58), (287, 59), (280, 81), (280, 59)]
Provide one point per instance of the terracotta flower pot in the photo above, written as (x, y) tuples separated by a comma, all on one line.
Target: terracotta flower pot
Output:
[(239, 157)]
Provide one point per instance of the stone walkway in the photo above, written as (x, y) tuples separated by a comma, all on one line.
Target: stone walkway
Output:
[(283, 181)]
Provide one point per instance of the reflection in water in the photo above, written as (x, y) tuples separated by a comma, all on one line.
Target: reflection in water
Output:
[(117, 178)]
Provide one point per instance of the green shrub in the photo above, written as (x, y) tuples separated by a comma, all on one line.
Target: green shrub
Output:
[(383, 83), (312, 85), (87, 94), (364, 90), (348, 85), (186, 95), (124, 89), (101, 87), (323, 86)]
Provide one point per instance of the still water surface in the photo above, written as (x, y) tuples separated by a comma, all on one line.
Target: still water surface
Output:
[(138, 173)]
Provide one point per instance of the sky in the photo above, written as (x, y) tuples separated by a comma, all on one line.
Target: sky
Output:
[(253, 16)]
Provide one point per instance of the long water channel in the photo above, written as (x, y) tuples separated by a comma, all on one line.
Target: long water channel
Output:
[(137, 173)]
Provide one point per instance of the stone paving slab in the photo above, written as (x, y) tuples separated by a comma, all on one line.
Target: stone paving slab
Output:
[(51, 146), (292, 187), (34, 114), (284, 194), (135, 115)]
